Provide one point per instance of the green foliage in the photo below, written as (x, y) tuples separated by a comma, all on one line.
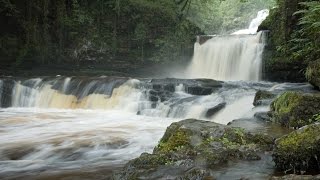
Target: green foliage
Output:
[(286, 102), (100, 31), (216, 16), (305, 41)]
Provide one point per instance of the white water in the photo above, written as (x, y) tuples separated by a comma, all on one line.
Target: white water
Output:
[(234, 57), (229, 58), (64, 124), (255, 23)]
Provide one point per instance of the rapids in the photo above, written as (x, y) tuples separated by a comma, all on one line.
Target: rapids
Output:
[(51, 126)]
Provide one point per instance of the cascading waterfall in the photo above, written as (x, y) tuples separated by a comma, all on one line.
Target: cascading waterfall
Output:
[(172, 98), (232, 57)]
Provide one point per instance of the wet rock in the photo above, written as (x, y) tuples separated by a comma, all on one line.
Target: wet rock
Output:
[(293, 109), (200, 91), (214, 110), (191, 149), (263, 116), (199, 87), (296, 177), (263, 98), (298, 152), (6, 92), (313, 73)]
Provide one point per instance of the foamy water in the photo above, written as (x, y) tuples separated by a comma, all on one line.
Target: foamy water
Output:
[(33, 139)]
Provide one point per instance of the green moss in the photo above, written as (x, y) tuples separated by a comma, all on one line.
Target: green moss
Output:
[(294, 109), (295, 140), (286, 102), (176, 141), (299, 151)]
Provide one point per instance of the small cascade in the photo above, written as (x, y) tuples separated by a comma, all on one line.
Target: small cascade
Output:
[(172, 98), (231, 57), (255, 23)]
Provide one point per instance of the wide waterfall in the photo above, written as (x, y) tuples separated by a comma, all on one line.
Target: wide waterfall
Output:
[(231, 57)]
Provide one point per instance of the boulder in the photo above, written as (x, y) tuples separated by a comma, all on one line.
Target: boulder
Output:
[(313, 73), (192, 148), (298, 152), (214, 110), (263, 98), (293, 109)]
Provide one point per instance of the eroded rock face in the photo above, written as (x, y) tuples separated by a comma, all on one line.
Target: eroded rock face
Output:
[(192, 148), (313, 73), (298, 152), (293, 109)]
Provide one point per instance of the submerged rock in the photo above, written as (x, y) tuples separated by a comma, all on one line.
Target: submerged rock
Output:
[(298, 152), (313, 73), (262, 116), (263, 98), (191, 149), (293, 109)]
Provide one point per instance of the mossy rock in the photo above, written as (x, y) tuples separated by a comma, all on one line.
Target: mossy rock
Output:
[(262, 97), (198, 145), (298, 152), (293, 109), (313, 73)]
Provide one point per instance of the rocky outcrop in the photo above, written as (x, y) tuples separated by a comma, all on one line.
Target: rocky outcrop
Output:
[(6, 87), (313, 73), (263, 98), (298, 152), (293, 109), (281, 24), (190, 149)]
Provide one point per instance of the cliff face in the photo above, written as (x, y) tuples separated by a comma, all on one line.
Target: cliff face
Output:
[(294, 40), (281, 24)]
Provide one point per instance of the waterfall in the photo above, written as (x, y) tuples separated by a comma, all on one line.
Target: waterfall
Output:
[(231, 57), (171, 98)]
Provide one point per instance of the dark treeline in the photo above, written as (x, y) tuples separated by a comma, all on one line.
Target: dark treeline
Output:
[(82, 32), (76, 31)]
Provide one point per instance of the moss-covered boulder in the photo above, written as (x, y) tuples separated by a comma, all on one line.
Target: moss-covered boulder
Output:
[(191, 148), (298, 152), (293, 109), (313, 73), (262, 98)]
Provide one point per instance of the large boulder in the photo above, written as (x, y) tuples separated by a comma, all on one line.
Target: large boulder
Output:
[(293, 109), (191, 148), (313, 73), (298, 152)]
